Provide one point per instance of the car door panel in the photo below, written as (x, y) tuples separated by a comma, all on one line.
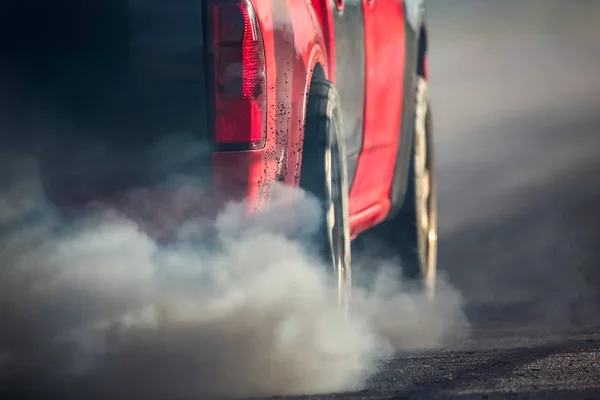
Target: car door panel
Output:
[(384, 31)]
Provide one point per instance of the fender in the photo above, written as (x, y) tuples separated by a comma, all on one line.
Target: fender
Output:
[(294, 44), (298, 31)]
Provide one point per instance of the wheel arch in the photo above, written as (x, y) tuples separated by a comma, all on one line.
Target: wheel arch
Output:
[(322, 12), (301, 46), (316, 72)]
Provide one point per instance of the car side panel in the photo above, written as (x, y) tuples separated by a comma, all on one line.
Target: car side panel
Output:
[(302, 41), (294, 43), (384, 49)]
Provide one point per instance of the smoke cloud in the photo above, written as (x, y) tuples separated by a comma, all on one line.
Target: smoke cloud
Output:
[(91, 305)]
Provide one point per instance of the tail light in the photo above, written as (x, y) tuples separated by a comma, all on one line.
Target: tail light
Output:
[(238, 71)]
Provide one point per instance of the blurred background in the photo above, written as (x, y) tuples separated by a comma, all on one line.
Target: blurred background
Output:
[(516, 101)]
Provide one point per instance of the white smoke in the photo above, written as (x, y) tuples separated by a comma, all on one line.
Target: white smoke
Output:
[(237, 306)]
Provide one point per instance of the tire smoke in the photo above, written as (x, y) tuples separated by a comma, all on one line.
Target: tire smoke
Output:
[(92, 307)]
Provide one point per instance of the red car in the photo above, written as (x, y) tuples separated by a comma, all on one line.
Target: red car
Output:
[(328, 95)]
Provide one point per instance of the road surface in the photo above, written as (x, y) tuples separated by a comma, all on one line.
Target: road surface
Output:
[(518, 137)]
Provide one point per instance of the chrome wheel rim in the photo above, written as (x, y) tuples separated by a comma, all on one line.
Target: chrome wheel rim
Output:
[(425, 189), (338, 227)]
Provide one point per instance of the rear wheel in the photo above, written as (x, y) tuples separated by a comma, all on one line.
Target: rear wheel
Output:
[(324, 174)]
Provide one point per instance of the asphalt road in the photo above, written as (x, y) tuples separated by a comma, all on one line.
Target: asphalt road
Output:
[(518, 136)]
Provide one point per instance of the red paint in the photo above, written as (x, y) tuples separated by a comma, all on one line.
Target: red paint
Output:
[(384, 53), (293, 40), (297, 35)]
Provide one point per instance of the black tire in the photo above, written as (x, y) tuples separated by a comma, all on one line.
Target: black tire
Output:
[(324, 174), (403, 236)]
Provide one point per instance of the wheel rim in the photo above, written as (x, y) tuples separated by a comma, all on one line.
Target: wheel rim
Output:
[(338, 229), (426, 193)]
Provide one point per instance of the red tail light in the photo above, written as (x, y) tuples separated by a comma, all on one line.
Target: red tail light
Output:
[(238, 75)]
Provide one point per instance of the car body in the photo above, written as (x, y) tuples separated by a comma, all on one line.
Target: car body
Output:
[(371, 50)]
